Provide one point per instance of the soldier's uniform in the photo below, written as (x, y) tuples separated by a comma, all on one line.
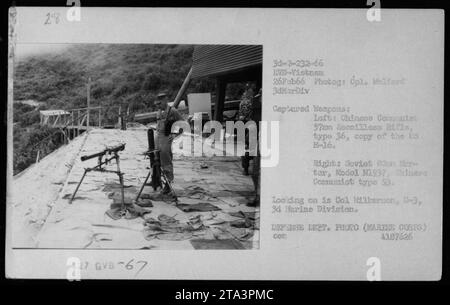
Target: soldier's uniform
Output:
[(250, 110), (245, 114), (256, 172), (246, 106), (164, 139)]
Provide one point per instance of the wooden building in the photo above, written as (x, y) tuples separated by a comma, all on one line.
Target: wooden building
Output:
[(226, 64)]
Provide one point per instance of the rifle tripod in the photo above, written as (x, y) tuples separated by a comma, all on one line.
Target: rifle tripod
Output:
[(154, 154)]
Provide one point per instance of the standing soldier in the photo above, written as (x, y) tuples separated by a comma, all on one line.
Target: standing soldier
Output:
[(245, 114), (166, 117)]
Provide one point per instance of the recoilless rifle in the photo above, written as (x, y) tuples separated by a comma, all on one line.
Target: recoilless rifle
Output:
[(104, 158)]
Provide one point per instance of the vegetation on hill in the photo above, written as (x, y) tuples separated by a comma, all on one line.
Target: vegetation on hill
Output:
[(125, 75)]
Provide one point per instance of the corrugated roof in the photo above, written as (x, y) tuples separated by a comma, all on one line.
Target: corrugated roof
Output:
[(213, 60)]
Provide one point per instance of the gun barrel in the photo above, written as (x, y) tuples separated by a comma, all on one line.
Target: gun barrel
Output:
[(104, 152), (116, 148), (84, 158)]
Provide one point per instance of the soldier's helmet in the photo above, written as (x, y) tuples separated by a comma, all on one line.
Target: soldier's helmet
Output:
[(161, 95)]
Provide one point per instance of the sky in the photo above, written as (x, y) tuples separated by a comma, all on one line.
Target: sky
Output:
[(25, 50)]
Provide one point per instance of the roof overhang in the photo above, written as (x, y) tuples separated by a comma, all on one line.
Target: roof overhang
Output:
[(222, 60)]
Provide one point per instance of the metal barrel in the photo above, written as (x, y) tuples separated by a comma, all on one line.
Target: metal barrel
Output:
[(151, 144), (104, 152)]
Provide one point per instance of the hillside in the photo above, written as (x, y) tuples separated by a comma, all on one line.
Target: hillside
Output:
[(127, 75), (121, 75)]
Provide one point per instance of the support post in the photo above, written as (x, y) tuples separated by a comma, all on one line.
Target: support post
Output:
[(120, 117), (220, 99), (88, 100)]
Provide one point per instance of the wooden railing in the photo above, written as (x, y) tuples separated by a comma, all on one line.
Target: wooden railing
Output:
[(79, 118)]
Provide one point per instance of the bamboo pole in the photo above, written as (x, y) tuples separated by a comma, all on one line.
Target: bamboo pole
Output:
[(183, 89)]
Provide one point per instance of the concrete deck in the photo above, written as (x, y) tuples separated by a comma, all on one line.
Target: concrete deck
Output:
[(84, 224)]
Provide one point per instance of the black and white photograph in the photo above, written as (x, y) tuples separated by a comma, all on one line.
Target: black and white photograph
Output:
[(98, 164), (310, 140)]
